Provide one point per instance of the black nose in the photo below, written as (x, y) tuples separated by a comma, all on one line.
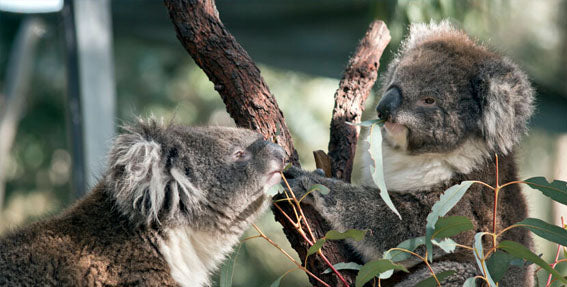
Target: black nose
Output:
[(391, 100)]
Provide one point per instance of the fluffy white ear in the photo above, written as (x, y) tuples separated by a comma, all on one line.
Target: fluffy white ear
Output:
[(138, 177)]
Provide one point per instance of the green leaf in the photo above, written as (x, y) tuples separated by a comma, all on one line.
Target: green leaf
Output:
[(287, 166), (277, 282), (447, 200), (367, 123), (344, 266), (320, 188), (471, 282), (354, 234), (377, 171), (275, 189), (447, 244), (431, 281), (556, 190), (373, 268), (316, 246), (545, 230), (410, 244), (451, 226), (498, 264), (227, 270), (479, 255), (519, 250)]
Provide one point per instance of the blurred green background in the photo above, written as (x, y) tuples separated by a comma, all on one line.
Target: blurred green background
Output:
[(301, 48)]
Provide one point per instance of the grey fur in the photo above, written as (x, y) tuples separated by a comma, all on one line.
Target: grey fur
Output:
[(173, 202), (482, 103)]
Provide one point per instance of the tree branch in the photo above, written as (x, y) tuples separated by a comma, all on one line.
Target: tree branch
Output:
[(237, 79), (354, 88)]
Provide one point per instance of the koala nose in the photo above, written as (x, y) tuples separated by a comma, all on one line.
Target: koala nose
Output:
[(391, 100), (276, 151)]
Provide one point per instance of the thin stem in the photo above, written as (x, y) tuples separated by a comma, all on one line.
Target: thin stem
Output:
[(496, 191), (248, 238), (299, 207), (422, 259), (512, 182), (296, 225), (311, 244), (483, 183), (332, 267), (288, 256), (556, 257), (464, 246)]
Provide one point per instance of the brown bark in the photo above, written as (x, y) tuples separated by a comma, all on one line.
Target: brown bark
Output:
[(237, 79), (250, 104), (354, 88)]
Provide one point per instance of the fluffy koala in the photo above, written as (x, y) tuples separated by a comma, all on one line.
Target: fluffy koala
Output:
[(171, 205), (450, 105)]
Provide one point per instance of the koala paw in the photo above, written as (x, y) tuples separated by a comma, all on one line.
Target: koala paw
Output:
[(300, 182)]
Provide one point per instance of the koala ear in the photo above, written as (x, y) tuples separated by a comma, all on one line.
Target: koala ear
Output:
[(506, 97), (137, 175)]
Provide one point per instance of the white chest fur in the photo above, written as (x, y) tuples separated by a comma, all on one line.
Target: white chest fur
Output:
[(193, 255), (406, 173)]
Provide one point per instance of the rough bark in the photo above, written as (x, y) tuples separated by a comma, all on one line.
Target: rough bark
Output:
[(354, 88), (250, 103), (237, 79)]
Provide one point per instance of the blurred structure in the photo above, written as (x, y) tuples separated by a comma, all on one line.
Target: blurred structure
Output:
[(302, 47)]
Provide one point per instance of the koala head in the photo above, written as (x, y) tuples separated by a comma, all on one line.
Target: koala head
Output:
[(443, 89), (203, 177)]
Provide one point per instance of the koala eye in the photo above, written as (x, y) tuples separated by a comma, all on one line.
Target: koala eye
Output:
[(427, 102), (241, 155)]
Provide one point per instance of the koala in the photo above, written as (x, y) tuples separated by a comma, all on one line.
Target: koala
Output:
[(172, 204), (450, 105)]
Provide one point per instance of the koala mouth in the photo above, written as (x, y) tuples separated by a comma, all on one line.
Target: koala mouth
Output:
[(274, 177), (396, 134)]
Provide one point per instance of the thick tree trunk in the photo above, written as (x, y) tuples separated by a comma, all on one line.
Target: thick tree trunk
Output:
[(250, 104)]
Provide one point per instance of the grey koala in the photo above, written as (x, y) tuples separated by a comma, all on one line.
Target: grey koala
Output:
[(173, 202), (450, 106)]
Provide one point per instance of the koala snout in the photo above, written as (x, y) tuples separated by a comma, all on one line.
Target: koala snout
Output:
[(276, 151), (391, 100)]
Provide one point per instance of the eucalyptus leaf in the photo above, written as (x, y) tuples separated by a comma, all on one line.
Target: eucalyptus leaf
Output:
[(447, 244), (374, 268), (479, 255), (316, 246), (471, 282), (319, 188), (354, 234), (227, 270), (556, 190), (377, 171), (447, 200), (367, 123), (498, 263), (431, 281), (399, 255), (275, 189), (278, 281), (344, 266), (545, 230), (451, 226), (519, 250)]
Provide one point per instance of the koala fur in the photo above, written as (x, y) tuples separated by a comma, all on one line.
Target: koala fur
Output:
[(172, 204), (451, 105)]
